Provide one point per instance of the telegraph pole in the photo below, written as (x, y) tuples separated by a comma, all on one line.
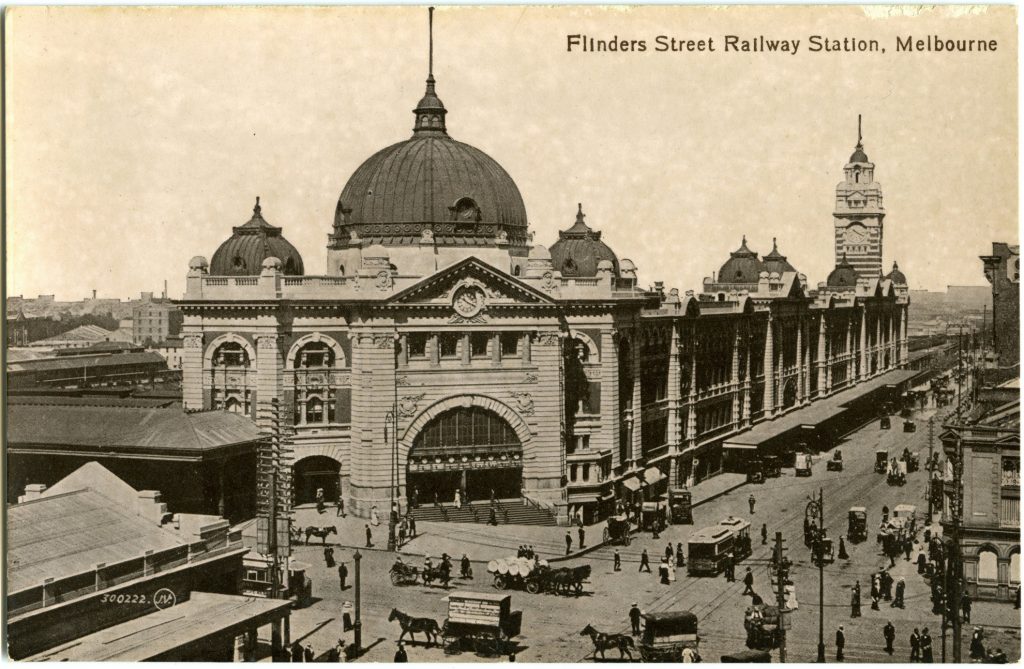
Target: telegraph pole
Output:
[(954, 567), (781, 572), (821, 576), (357, 634), (928, 467)]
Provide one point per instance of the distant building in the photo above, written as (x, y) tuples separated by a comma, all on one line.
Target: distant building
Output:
[(82, 336), (171, 350), (154, 320), (1002, 269), (94, 565)]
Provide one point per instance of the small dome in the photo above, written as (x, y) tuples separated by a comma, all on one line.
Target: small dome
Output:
[(579, 250), (605, 266), (843, 276), (198, 262), (775, 262), (271, 263), (249, 245), (627, 265), (896, 276), (859, 156), (539, 252), (741, 267)]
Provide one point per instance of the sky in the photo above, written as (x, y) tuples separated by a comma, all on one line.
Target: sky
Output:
[(137, 137)]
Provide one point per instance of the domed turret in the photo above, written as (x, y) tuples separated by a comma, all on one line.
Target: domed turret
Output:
[(775, 262), (741, 267), (896, 276), (249, 245), (844, 276), (579, 250)]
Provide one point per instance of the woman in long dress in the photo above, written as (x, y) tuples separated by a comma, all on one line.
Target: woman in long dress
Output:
[(374, 517), (458, 498)]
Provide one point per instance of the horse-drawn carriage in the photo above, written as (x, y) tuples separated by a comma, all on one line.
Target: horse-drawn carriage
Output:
[(406, 574), (908, 513), (912, 460), (897, 475), (667, 634), (836, 463), (909, 426), (802, 466), (763, 624), (537, 576), (483, 620), (857, 524), (617, 530)]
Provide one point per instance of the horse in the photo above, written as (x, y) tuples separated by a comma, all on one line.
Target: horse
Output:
[(605, 640), (322, 532), (412, 625), (437, 573)]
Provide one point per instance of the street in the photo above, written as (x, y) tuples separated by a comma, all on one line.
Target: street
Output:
[(551, 623)]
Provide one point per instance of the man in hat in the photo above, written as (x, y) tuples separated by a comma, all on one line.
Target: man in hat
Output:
[(400, 654), (840, 643), (307, 654), (645, 562), (764, 534), (965, 606), (669, 554), (748, 582), (751, 501), (680, 558), (855, 601), (568, 542), (977, 648), (617, 564), (901, 589), (730, 568), (634, 618), (915, 646), (926, 646), (582, 536), (296, 652), (889, 633), (369, 537), (342, 574)]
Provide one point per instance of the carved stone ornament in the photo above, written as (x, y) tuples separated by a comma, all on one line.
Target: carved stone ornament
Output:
[(383, 341), (193, 341), (549, 280), (458, 320), (524, 402), (407, 405), (384, 281), (266, 342), (427, 237), (356, 283), (547, 339), (530, 378), (402, 381), (340, 379)]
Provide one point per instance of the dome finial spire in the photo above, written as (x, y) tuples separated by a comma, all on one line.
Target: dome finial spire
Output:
[(430, 111), (256, 210), (430, 30), (859, 136)]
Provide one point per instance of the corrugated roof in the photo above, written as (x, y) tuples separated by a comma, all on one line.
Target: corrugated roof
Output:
[(108, 428), (57, 537), (91, 361), (81, 333)]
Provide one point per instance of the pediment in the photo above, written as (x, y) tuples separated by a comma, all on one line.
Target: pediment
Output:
[(470, 287)]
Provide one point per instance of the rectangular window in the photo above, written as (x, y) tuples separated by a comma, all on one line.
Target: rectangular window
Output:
[(332, 401), (478, 344), (449, 344), (1009, 512), (572, 472), (417, 344), (586, 472), (509, 344)]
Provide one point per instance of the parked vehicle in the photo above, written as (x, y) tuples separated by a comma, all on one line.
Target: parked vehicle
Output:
[(881, 461), (485, 621), (763, 625), (836, 463), (755, 470), (772, 466), (803, 464), (885, 423), (909, 426), (666, 634), (617, 530)]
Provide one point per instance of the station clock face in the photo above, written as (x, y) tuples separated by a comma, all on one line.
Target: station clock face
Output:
[(468, 301), (856, 234)]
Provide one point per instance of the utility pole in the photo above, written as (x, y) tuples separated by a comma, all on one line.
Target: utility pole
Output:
[(821, 576), (357, 634), (954, 566), (781, 573), (928, 467)]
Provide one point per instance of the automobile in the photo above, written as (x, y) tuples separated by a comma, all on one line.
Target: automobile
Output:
[(836, 463), (857, 524), (803, 464), (755, 471), (885, 423), (772, 466), (881, 461), (909, 426)]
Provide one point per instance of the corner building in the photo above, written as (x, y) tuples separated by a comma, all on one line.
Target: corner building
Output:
[(443, 349)]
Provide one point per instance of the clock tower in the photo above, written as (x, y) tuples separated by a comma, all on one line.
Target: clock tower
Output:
[(859, 214)]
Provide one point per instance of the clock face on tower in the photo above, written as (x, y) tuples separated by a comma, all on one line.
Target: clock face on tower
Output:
[(856, 234)]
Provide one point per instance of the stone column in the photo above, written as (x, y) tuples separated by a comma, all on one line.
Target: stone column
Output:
[(691, 415), (879, 346), (848, 352), (904, 353), (674, 404), (800, 390), (734, 379), (192, 371), (821, 355), (268, 373), (637, 443), (769, 370), (829, 357), (608, 437), (745, 406)]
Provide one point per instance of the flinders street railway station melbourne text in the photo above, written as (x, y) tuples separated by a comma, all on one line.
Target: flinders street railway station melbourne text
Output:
[(444, 350)]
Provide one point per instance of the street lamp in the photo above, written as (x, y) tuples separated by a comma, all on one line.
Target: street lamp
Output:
[(391, 437), (817, 507), (357, 635)]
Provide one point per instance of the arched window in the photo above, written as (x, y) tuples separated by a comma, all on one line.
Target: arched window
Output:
[(314, 410), (988, 565), (316, 354), (516, 271), (581, 349), (341, 270), (1015, 567), (238, 264), (233, 405), (230, 354)]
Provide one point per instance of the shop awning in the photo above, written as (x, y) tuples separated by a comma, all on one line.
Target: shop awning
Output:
[(653, 475), (632, 483), (739, 447)]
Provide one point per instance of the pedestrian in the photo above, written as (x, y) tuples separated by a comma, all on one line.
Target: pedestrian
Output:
[(663, 571), (885, 514), (874, 592), (339, 651), (512, 656), (400, 654), (466, 567), (634, 618), (369, 537), (901, 589), (329, 556), (414, 501), (751, 501), (342, 575), (889, 632), (645, 563), (296, 652), (319, 500), (568, 542), (977, 648), (965, 606), (401, 535), (926, 646), (748, 582), (843, 555), (764, 533), (412, 526), (307, 654), (915, 646), (339, 506), (1016, 598), (669, 554), (458, 498), (730, 568), (493, 519), (840, 643), (655, 528), (582, 535), (680, 558), (886, 586), (921, 562), (855, 601), (617, 565)]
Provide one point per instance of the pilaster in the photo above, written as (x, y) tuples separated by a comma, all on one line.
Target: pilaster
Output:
[(192, 371), (769, 370)]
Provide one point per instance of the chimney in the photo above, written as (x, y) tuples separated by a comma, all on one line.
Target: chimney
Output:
[(94, 293), (164, 296), (32, 491)]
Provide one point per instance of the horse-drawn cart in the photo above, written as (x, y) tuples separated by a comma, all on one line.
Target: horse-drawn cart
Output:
[(485, 621), (836, 463), (667, 634), (537, 576), (764, 626), (617, 530)]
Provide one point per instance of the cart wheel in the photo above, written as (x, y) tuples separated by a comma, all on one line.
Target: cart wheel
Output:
[(500, 582), (396, 578), (533, 586)]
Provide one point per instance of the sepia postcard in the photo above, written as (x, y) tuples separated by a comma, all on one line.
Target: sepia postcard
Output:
[(512, 334)]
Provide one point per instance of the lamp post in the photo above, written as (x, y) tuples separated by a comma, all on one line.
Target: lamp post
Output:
[(817, 507), (391, 437), (357, 636)]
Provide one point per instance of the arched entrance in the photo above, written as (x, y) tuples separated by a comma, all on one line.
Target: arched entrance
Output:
[(789, 394), (314, 472), (468, 448)]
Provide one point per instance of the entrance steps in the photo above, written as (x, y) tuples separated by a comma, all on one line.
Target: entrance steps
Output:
[(510, 512)]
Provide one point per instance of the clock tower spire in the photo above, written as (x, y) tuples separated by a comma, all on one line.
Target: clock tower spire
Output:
[(859, 213)]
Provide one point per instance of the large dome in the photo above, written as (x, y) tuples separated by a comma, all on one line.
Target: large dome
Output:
[(844, 276), (243, 253), (742, 266), (430, 183)]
